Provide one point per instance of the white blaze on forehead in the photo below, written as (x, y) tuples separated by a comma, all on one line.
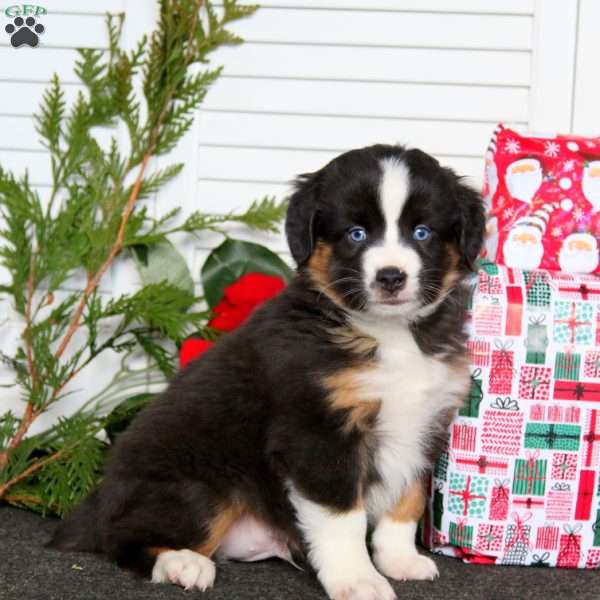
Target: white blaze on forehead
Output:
[(391, 250), (393, 193)]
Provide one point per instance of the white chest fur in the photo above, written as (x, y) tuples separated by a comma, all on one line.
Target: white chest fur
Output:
[(414, 389)]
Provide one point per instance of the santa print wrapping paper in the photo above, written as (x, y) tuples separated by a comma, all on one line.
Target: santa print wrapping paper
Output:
[(519, 482), (544, 201)]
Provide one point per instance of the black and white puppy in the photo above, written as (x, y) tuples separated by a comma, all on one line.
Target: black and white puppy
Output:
[(322, 415)]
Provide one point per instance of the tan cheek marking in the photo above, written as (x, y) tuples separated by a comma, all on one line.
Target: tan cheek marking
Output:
[(411, 506), (452, 275), (219, 527), (318, 265), (344, 395)]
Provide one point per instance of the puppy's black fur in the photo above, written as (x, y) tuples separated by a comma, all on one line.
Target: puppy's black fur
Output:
[(252, 414)]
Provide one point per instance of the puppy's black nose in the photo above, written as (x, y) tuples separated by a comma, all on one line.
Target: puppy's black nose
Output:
[(391, 279)]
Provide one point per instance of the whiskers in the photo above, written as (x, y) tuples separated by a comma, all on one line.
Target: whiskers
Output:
[(337, 281), (440, 296), (359, 292), (434, 292), (351, 270), (431, 291), (355, 290), (356, 293)]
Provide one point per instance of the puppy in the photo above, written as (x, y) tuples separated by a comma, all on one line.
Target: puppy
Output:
[(323, 413)]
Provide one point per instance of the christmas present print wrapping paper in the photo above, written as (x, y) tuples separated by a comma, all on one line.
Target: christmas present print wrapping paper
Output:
[(519, 481), (543, 196)]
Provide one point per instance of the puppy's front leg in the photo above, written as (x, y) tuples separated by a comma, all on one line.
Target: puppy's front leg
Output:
[(395, 552), (338, 551)]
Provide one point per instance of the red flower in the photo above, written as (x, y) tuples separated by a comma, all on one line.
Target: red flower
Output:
[(191, 348), (239, 300), (242, 297)]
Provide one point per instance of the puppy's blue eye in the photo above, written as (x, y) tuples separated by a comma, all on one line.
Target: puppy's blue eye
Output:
[(357, 234), (421, 233)]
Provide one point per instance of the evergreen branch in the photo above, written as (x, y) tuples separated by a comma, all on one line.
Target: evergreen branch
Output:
[(28, 323), (28, 417), (22, 499), (158, 179), (94, 352), (30, 412), (69, 435), (128, 209), (49, 119), (263, 215), (36, 466), (65, 480), (17, 214), (13, 363), (164, 360), (161, 305), (17, 438), (98, 217), (93, 281)]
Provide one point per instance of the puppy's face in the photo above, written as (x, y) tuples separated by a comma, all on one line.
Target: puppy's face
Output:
[(385, 230)]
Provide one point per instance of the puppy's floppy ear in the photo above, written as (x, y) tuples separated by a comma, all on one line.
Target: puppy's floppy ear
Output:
[(471, 224), (301, 217)]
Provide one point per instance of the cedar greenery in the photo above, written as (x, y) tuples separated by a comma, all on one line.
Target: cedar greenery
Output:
[(94, 217)]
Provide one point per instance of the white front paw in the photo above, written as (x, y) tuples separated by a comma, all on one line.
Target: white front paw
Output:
[(403, 566), (367, 586), (185, 568)]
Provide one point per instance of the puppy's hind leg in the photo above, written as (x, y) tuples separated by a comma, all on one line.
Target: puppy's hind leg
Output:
[(193, 568), (171, 535)]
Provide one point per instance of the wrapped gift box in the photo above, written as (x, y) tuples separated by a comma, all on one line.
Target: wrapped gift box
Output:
[(543, 195), (519, 482)]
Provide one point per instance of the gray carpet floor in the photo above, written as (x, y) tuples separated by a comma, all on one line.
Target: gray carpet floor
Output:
[(30, 572)]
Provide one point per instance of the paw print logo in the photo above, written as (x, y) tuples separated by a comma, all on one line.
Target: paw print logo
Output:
[(24, 32)]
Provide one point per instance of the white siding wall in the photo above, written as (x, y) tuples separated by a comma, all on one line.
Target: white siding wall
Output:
[(317, 77)]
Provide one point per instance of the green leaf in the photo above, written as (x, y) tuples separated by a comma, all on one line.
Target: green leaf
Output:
[(232, 259), (120, 417), (162, 262)]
